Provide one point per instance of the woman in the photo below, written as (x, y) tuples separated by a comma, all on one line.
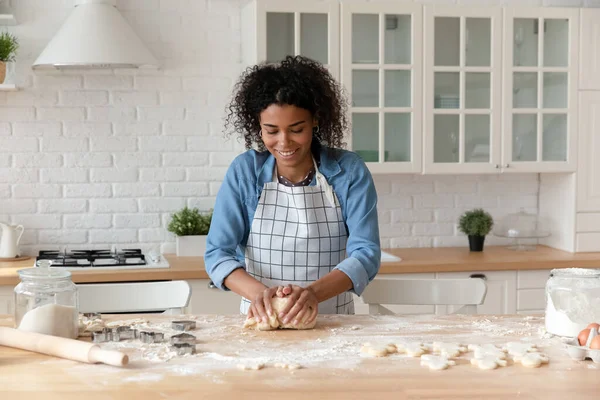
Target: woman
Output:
[(298, 217)]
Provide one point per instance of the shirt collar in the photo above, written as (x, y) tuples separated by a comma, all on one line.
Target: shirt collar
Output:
[(329, 167)]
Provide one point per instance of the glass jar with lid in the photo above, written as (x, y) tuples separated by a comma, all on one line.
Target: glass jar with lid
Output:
[(46, 301), (572, 300)]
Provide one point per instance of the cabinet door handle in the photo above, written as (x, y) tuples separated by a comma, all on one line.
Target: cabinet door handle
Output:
[(480, 276), (211, 285)]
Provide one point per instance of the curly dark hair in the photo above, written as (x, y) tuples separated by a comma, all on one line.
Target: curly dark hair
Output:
[(297, 81)]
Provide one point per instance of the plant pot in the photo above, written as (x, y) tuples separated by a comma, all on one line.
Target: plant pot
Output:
[(191, 246), (2, 72), (476, 242)]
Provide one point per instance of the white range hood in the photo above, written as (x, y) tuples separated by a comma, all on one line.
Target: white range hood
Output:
[(95, 35)]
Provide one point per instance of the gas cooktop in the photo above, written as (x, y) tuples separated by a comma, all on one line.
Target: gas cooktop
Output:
[(103, 259)]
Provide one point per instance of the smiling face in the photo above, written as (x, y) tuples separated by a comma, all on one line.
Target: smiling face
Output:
[(287, 133)]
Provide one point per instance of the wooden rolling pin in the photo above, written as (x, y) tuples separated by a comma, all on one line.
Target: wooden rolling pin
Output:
[(61, 347)]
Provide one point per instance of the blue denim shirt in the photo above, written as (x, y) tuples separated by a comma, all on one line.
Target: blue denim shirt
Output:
[(238, 198)]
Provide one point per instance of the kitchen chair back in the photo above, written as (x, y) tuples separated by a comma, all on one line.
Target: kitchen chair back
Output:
[(467, 292), (170, 297)]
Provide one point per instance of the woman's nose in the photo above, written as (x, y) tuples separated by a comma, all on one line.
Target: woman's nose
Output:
[(284, 137)]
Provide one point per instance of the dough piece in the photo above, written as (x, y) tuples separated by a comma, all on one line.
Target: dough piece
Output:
[(488, 362), (378, 350), (288, 366), (278, 304), (481, 351), (519, 348), (51, 319), (532, 360), (411, 349), (449, 350), (436, 362), (250, 367)]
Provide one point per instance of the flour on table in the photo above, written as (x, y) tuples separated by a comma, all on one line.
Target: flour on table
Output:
[(88, 325), (127, 322), (279, 304), (51, 319), (449, 350), (532, 360), (488, 362), (436, 362), (287, 366)]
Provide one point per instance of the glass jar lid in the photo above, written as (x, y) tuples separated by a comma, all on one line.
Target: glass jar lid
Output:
[(43, 273), (575, 273)]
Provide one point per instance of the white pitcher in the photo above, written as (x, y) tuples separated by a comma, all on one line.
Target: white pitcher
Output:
[(9, 240)]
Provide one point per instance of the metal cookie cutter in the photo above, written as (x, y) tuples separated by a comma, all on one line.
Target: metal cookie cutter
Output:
[(151, 337), (122, 332), (183, 348), (92, 316), (183, 325), (183, 338), (102, 335)]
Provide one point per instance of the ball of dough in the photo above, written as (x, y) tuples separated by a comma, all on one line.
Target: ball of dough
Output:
[(278, 304)]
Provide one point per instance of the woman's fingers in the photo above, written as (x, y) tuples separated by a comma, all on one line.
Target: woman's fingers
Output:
[(313, 314), (293, 296), (287, 290), (267, 296)]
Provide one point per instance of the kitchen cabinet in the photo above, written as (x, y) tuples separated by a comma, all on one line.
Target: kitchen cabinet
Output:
[(382, 71), (274, 29), (442, 89), (208, 299), (463, 89), (589, 67), (587, 237), (540, 79)]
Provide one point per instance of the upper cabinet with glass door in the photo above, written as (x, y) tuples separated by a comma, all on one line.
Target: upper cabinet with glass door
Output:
[(540, 80), (381, 70), (463, 98), (274, 29)]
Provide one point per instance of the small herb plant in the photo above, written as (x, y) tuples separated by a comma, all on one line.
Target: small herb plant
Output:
[(476, 222), (9, 44), (189, 221)]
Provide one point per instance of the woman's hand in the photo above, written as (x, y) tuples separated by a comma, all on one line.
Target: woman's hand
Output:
[(303, 302), (260, 307)]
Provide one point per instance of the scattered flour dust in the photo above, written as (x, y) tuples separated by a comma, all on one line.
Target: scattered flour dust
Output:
[(222, 344)]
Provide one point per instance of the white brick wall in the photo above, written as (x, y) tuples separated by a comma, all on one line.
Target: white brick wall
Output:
[(96, 158)]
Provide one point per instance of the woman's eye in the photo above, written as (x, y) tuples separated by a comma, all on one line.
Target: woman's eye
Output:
[(272, 133), (300, 131)]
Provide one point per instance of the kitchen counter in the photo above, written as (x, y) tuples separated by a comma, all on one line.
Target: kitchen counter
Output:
[(414, 260), (332, 367)]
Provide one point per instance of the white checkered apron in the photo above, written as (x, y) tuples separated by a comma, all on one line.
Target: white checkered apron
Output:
[(297, 236)]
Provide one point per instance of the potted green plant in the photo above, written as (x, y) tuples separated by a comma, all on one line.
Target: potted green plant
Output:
[(191, 228), (9, 45), (476, 224)]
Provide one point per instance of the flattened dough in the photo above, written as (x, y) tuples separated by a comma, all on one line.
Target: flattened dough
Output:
[(278, 304)]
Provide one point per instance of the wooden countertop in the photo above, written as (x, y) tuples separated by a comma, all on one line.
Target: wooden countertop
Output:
[(330, 356), (414, 260)]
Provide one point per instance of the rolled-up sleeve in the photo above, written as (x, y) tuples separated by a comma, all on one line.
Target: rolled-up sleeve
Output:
[(363, 246), (227, 229)]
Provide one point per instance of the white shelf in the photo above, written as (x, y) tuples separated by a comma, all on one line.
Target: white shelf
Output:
[(8, 87), (7, 19)]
